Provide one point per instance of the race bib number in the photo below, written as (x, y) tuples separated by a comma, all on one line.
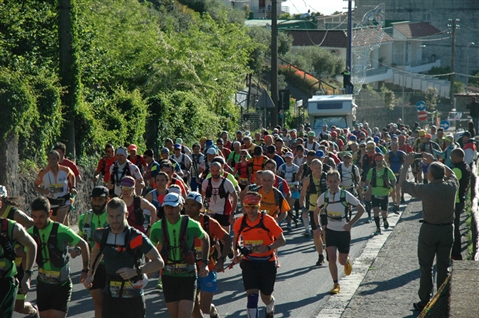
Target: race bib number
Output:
[(199, 252), (335, 216), (253, 245), (115, 290), (56, 188)]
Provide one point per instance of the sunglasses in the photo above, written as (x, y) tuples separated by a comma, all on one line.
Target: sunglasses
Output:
[(127, 188), (243, 156), (371, 147), (250, 206)]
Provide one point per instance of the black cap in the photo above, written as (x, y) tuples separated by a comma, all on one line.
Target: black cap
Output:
[(99, 191), (258, 151), (271, 149)]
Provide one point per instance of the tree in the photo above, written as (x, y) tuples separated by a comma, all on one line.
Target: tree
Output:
[(316, 60), (389, 97), (431, 99)]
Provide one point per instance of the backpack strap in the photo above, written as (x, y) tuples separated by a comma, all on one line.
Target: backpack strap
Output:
[(11, 213)]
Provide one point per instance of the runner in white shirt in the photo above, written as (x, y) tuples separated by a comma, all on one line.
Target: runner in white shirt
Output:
[(338, 229)]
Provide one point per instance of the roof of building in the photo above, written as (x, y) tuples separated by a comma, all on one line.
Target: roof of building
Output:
[(334, 38), (416, 29)]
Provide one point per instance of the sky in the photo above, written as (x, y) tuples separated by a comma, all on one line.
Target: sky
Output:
[(326, 7)]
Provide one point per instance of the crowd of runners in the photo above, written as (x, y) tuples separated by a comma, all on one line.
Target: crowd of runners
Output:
[(183, 212)]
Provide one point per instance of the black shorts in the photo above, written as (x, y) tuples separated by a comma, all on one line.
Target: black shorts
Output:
[(99, 280), (381, 203), (54, 296), (123, 307), (222, 219), (8, 293), (339, 239), (178, 288), (259, 275)]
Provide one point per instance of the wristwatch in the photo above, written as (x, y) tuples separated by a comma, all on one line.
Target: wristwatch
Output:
[(206, 261), (29, 272)]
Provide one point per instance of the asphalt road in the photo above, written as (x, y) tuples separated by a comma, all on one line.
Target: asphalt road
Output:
[(301, 288)]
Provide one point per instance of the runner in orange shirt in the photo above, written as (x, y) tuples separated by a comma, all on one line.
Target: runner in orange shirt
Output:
[(257, 253)]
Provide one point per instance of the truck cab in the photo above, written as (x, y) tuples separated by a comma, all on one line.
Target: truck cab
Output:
[(337, 110)]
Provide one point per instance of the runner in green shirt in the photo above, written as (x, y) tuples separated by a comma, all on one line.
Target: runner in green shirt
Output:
[(177, 248), (380, 181), (54, 285), (87, 224), (11, 233)]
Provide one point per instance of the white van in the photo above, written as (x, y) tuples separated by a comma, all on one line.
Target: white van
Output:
[(337, 110)]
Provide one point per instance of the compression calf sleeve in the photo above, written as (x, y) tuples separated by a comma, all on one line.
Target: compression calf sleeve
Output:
[(306, 223), (252, 306), (376, 220), (270, 306)]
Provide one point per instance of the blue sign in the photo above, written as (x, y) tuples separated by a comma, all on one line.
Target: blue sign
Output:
[(445, 124), (420, 106)]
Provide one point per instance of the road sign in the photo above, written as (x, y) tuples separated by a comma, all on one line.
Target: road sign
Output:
[(265, 101), (422, 115), (445, 124), (421, 106)]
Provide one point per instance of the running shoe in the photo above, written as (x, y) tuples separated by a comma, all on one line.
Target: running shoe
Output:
[(419, 306), (307, 233), (269, 315), (320, 260), (386, 224), (37, 312), (214, 312), (336, 289), (370, 220), (289, 227), (348, 268), (402, 200), (378, 231)]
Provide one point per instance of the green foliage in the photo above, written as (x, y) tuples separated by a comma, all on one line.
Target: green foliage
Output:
[(389, 97), (179, 114), (474, 81), (17, 102), (316, 60), (262, 40), (29, 35), (458, 87)]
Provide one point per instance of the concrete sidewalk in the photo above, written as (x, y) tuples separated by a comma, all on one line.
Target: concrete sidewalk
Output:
[(390, 286), (389, 289)]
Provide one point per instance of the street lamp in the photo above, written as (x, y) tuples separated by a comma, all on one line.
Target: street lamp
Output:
[(467, 62)]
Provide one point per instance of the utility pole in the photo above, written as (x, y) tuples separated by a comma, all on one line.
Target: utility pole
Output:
[(274, 62), (349, 53), (453, 26), (69, 70)]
